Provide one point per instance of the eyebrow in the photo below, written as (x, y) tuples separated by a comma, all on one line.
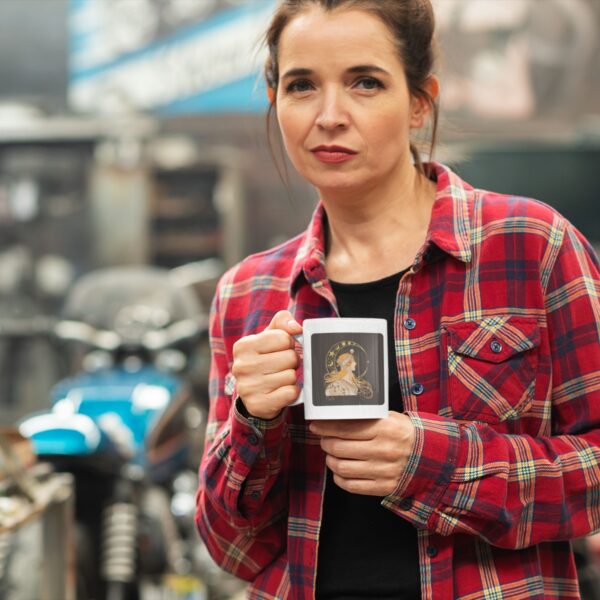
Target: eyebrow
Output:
[(358, 69), (367, 69)]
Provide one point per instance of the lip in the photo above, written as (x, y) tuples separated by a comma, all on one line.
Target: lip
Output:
[(333, 154)]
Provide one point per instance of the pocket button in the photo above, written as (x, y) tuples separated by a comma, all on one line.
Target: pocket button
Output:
[(496, 346)]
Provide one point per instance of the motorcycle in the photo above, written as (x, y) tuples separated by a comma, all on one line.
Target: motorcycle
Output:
[(128, 425)]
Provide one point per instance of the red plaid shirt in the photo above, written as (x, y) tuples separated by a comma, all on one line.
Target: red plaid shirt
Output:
[(499, 372)]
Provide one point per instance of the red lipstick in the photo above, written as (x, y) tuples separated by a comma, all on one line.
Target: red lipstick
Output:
[(333, 154)]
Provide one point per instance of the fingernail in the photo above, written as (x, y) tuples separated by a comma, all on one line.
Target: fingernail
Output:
[(312, 428), (293, 323)]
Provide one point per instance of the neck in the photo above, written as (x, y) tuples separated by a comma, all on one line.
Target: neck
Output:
[(376, 232)]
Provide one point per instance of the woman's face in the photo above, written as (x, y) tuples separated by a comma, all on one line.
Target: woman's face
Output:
[(343, 104), (348, 363)]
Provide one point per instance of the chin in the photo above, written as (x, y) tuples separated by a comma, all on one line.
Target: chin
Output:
[(333, 185), (334, 181)]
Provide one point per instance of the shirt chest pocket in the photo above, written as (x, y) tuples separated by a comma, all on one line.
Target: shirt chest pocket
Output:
[(491, 367)]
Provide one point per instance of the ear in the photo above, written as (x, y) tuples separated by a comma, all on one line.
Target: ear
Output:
[(271, 94), (420, 108)]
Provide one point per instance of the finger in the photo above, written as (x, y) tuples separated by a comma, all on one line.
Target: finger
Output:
[(278, 361), (285, 320), (284, 396), (347, 449), (350, 469), (281, 379), (251, 366), (364, 487), (274, 340), (266, 384), (349, 429), (364, 469)]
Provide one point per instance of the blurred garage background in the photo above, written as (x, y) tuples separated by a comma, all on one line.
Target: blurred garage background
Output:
[(132, 132)]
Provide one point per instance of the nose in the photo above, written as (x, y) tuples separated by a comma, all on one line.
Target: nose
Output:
[(332, 113)]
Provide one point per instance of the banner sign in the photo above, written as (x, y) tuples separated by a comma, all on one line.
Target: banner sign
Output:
[(173, 57)]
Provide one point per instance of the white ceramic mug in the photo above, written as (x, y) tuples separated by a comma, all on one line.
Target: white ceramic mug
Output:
[(345, 368)]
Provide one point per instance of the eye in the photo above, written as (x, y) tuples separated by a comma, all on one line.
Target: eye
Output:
[(299, 86), (368, 83)]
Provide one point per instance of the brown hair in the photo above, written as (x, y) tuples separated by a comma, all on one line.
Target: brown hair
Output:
[(411, 22)]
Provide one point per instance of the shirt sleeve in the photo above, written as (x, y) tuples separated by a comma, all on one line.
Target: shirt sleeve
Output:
[(242, 497), (512, 490)]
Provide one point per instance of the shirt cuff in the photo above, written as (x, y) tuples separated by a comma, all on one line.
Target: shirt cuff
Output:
[(257, 438), (429, 469)]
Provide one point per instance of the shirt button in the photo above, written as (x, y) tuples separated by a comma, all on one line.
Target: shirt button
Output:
[(417, 389), (410, 323), (253, 439), (496, 346), (431, 551), (406, 503)]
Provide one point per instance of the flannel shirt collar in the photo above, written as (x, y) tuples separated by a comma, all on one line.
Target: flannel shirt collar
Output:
[(449, 228)]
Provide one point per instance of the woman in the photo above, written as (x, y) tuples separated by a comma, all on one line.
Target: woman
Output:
[(488, 461), (343, 382)]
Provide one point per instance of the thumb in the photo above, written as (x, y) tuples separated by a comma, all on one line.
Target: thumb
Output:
[(285, 320)]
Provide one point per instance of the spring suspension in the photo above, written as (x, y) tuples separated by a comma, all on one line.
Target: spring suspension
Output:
[(119, 542)]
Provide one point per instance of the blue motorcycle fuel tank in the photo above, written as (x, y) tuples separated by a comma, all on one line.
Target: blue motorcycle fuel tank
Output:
[(116, 411)]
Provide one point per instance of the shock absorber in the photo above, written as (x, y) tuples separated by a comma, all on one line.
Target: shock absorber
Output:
[(119, 542)]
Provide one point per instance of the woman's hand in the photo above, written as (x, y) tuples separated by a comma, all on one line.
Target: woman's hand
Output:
[(367, 456), (264, 366)]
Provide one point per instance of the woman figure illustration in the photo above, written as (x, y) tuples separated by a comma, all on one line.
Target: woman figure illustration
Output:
[(343, 381)]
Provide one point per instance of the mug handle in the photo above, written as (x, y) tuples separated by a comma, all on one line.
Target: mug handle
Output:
[(300, 399)]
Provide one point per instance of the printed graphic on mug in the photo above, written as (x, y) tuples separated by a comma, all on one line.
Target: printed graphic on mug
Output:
[(347, 369)]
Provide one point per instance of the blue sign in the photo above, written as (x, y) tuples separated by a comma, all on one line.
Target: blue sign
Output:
[(168, 58)]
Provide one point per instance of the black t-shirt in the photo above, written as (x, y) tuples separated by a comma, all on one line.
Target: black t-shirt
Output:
[(365, 550)]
